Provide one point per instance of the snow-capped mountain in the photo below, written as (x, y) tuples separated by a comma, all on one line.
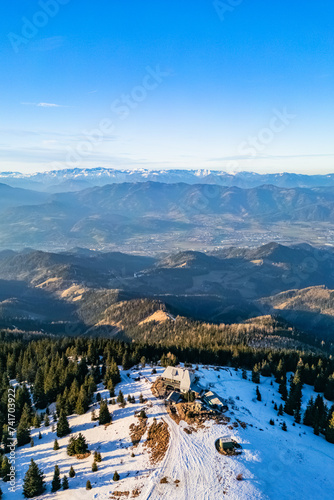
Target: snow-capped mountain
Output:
[(77, 178)]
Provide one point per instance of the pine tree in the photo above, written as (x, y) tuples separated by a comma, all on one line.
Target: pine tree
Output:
[(293, 402), (116, 476), (256, 375), (39, 435), (284, 427), (309, 413), (64, 483), (120, 398), (142, 414), (5, 469), (258, 394), (111, 388), (56, 445), (88, 485), (46, 420), (5, 438), (72, 472), (280, 410), (40, 399), (32, 444), (104, 415), (63, 429), (1, 493), (33, 483), (37, 421), (329, 434), (56, 484), (282, 388), (23, 430), (126, 364), (94, 467), (77, 445), (82, 402)]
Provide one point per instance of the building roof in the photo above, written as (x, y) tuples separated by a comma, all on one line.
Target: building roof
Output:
[(182, 375), (226, 439), (173, 397), (213, 398)]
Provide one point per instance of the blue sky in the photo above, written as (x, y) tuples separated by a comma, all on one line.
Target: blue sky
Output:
[(232, 85)]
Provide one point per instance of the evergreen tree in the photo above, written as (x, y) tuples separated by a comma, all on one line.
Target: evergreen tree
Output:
[(37, 421), (309, 413), (46, 421), (39, 435), (104, 415), (82, 402), (258, 394), (32, 444), (111, 388), (5, 469), (72, 472), (280, 410), (116, 476), (40, 399), (256, 375), (23, 430), (329, 434), (77, 445), (126, 363), (56, 445), (94, 467), (282, 388), (64, 483), (5, 438), (284, 427), (63, 429), (88, 485), (56, 484), (120, 398), (329, 389), (293, 402), (1, 494), (33, 483)]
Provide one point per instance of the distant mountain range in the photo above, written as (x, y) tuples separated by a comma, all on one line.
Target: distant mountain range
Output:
[(76, 179), (94, 290), (159, 217)]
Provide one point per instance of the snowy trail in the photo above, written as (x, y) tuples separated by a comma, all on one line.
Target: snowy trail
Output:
[(202, 472), (270, 457)]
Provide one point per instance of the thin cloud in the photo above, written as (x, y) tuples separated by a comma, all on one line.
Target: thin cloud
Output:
[(46, 44), (44, 104)]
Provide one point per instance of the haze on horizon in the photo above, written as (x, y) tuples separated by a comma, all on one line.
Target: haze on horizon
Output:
[(224, 85)]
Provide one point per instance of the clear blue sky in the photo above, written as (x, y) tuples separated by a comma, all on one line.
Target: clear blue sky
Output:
[(224, 75)]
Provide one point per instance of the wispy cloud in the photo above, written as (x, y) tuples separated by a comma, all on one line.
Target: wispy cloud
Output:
[(270, 157), (46, 44), (44, 104)]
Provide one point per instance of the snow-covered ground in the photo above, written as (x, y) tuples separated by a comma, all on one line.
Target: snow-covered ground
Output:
[(275, 465)]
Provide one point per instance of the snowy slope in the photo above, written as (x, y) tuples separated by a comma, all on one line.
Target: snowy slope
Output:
[(275, 464)]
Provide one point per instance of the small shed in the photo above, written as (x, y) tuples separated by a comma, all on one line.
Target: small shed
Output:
[(225, 444), (215, 401)]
